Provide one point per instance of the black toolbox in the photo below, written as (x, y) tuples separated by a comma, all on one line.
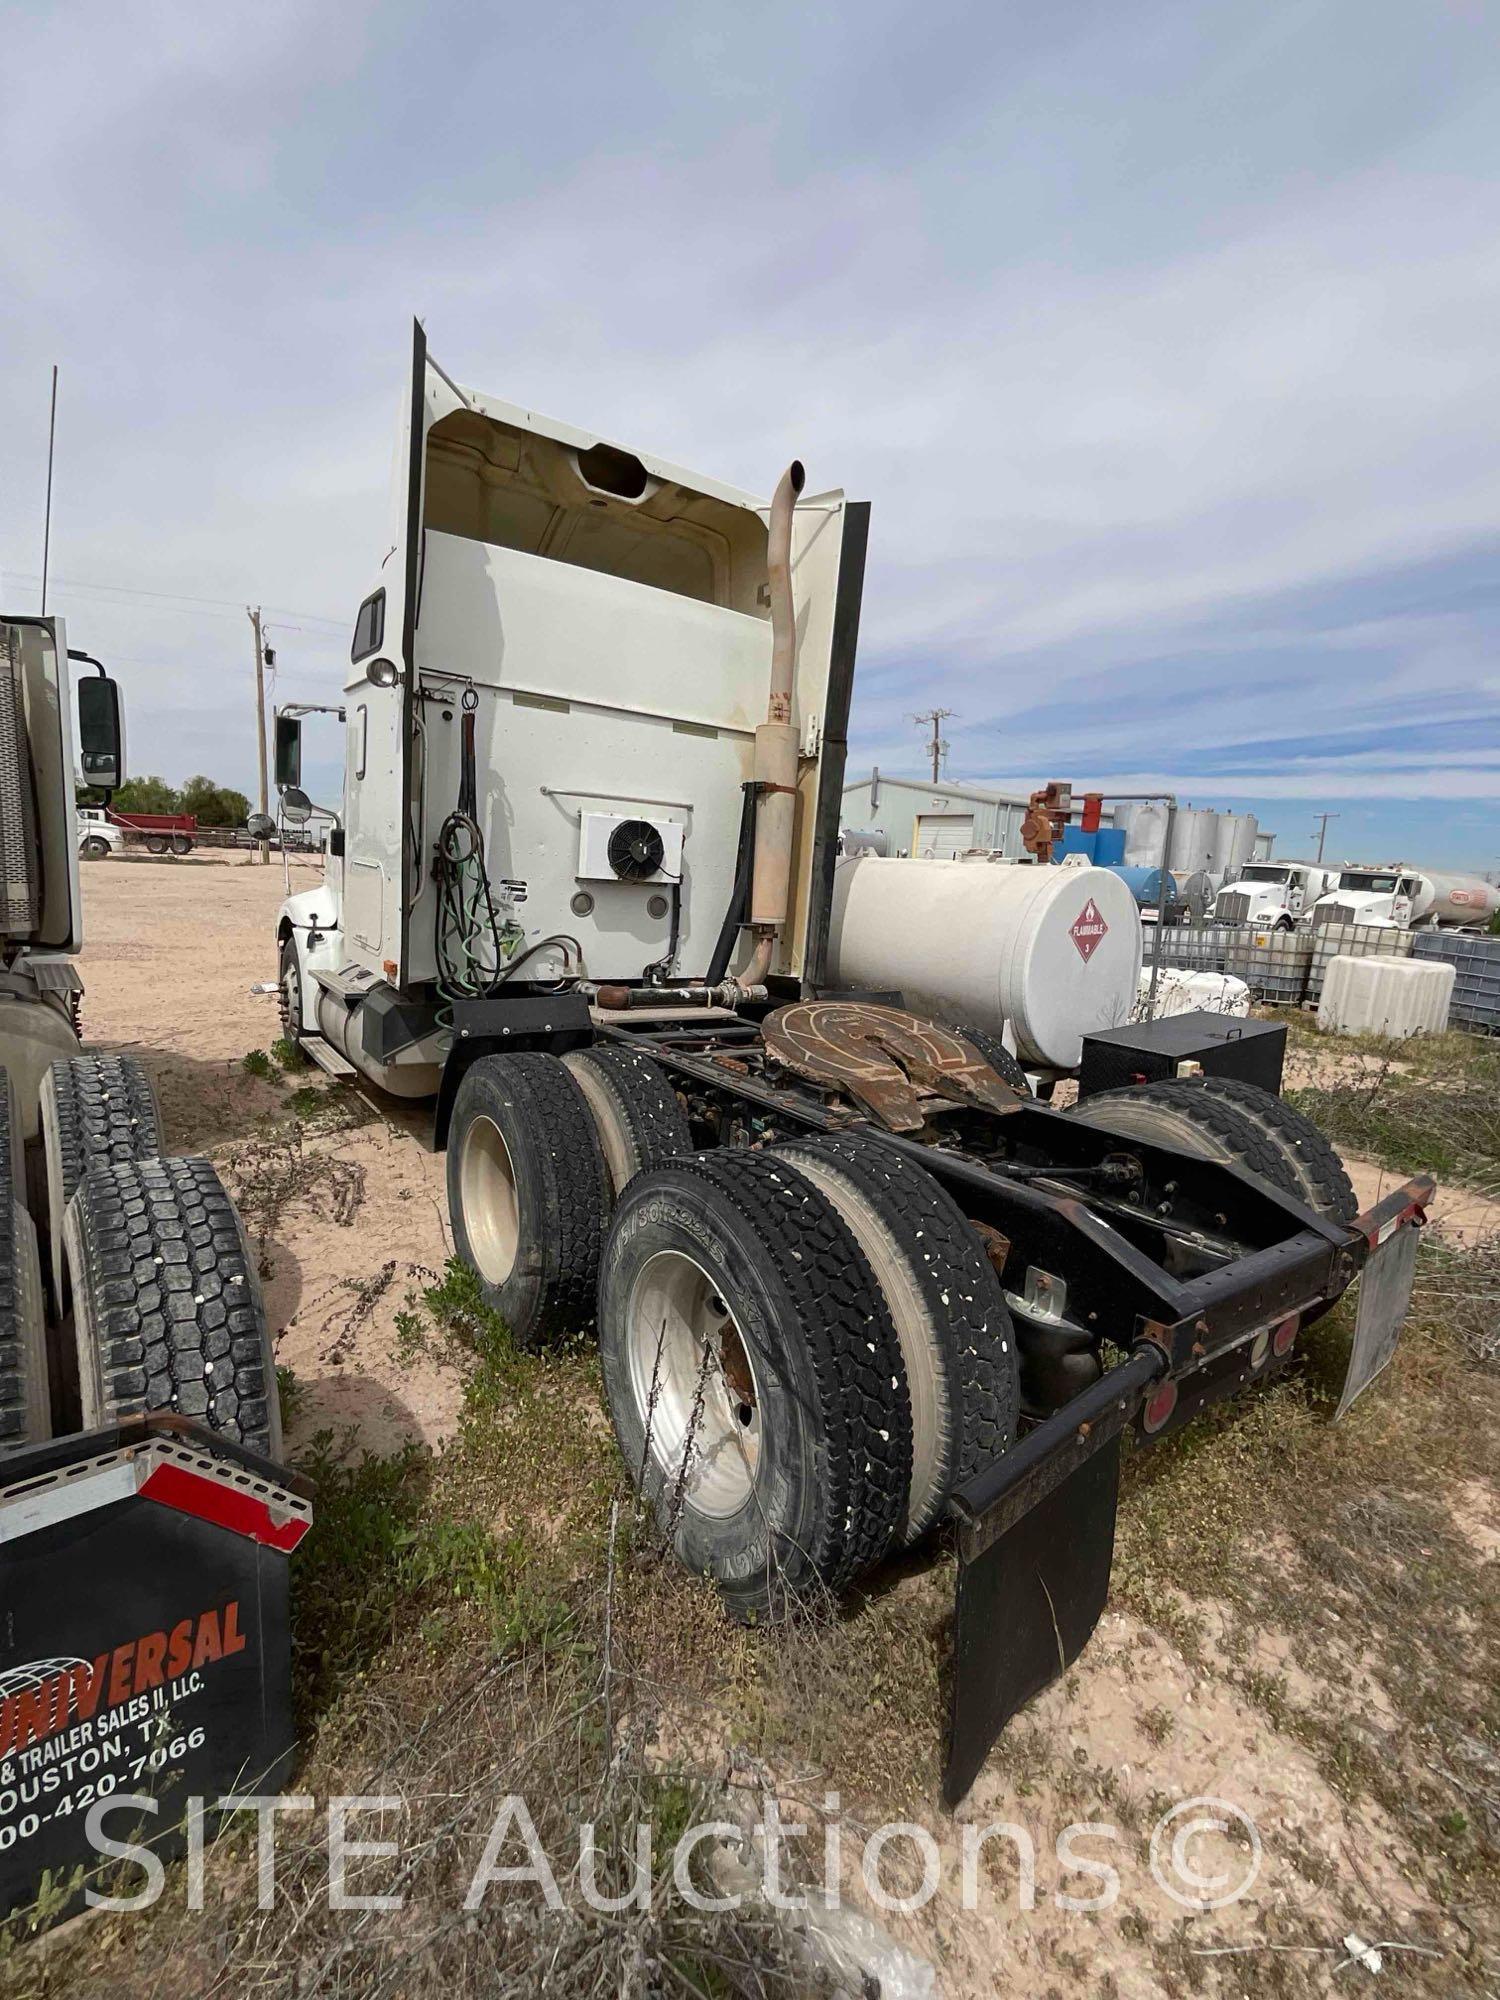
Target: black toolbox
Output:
[(1219, 1044)]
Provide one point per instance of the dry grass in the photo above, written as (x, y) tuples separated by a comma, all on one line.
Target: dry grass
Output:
[(469, 1624)]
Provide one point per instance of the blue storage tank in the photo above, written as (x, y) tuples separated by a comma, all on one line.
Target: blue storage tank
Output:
[(1105, 846), (1143, 883)]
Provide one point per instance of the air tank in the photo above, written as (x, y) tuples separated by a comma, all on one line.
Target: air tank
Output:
[(1054, 951)]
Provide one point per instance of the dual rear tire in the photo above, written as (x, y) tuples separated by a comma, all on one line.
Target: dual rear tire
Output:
[(803, 1351), (1219, 1118)]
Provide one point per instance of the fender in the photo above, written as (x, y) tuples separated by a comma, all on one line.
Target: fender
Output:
[(552, 1022)]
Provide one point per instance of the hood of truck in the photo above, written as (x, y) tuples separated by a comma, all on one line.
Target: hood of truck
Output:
[(1354, 906)]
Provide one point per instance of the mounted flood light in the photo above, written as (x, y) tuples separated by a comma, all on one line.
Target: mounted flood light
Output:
[(383, 673)]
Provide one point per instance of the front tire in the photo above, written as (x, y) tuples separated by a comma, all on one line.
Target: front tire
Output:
[(528, 1193), (289, 991), (754, 1378), (95, 849)]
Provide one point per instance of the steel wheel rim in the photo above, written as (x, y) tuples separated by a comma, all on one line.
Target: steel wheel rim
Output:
[(680, 1333), (290, 997), (487, 1190)]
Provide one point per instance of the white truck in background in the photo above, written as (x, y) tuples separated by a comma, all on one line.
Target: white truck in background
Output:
[(1397, 896), (1273, 895)]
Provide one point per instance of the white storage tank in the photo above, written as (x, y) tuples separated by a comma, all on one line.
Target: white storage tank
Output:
[(1144, 825), (1396, 997), (1056, 952), (1236, 847)]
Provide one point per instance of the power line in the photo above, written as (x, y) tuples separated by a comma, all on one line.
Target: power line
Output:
[(179, 597)]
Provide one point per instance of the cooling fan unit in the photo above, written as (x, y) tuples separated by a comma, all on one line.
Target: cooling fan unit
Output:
[(635, 850)]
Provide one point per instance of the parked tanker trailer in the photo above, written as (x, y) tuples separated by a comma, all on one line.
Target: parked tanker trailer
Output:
[(850, 1279), (1397, 896)]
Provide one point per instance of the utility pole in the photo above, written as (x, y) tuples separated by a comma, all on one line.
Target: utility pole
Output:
[(1323, 819), (260, 719), (938, 747)]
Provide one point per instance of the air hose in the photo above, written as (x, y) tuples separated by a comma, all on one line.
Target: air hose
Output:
[(475, 952)]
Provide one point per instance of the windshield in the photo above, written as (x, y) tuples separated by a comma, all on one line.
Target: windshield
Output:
[(1259, 872), (1382, 885)]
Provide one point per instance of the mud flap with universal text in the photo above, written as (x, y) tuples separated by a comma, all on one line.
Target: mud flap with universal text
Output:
[(145, 1647)]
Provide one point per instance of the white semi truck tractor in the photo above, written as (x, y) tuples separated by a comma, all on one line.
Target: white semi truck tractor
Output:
[(1398, 896), (90, 1335), (1273, 895), (763, 1134)]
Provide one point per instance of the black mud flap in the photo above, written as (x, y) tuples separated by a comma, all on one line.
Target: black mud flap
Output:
[(1036, 1536), (1025, 1608)]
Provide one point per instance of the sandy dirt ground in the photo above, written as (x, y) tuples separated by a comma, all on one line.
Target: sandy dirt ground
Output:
[(347, 1222), (350, 1221)]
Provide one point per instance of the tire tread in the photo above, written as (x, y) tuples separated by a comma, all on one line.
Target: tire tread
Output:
[(167, 1300)]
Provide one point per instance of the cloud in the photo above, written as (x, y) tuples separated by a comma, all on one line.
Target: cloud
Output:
[(1165, 347)]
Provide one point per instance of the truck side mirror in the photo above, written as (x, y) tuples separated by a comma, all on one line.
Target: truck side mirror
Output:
[(261, 826), (101, 733), (288, 752)]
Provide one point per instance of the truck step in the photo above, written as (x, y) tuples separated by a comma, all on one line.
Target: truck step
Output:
[(326, 1056)]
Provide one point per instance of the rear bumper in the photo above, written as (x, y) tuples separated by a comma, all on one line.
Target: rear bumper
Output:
[(1036, 1527)]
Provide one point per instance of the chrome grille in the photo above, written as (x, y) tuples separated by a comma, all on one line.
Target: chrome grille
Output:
[(1232, 907)]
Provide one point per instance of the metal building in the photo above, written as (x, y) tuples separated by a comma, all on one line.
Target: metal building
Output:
[(941, 820)]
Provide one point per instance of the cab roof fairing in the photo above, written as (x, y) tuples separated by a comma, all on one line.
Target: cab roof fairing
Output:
[(444, 396)]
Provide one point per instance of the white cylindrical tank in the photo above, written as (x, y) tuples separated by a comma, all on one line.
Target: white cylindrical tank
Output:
[(1195, 841), (1144, 825), (1455, 899), (1236, 847), (1054, 951)]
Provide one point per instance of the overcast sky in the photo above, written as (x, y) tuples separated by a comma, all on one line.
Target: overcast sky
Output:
[(1164, 338)]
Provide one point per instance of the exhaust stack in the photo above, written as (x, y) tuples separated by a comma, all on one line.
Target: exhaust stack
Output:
[(776, 741)]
